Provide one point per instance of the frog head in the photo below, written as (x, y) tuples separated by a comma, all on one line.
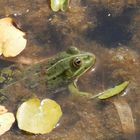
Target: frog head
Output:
[(68, 66)]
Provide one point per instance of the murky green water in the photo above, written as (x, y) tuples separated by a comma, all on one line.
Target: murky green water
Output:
[(110, 30)]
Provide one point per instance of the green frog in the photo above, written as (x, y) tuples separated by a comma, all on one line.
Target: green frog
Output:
[(62, 70)]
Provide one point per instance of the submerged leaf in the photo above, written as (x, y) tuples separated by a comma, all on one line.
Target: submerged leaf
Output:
[(12, 40), (6, 121), (113, 91), (127, 119), (38, 117)]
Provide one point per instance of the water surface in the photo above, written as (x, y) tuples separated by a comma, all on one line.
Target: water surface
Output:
[(110, 30)]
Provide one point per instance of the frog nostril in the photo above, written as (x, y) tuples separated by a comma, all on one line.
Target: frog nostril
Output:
[(54, 78), (89, 57)]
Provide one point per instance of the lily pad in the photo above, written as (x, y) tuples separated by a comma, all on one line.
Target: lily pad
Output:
[(38, 117), (6, 121)]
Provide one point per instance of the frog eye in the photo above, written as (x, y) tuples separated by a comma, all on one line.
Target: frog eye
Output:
[(77, 62)]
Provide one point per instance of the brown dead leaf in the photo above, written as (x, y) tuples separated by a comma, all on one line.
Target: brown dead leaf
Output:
[(2, 109)]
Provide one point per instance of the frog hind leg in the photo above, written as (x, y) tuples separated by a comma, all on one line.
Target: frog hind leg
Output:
[(2, 97)]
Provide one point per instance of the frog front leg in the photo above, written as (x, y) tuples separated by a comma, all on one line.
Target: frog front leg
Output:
[(102, 95), (75, 91)]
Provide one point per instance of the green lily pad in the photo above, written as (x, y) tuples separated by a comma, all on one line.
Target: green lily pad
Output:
[(38, 117), (6, 121)]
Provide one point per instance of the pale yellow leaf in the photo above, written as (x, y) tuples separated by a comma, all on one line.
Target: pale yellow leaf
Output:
[(38, 117), (12, 41), (6, 121)]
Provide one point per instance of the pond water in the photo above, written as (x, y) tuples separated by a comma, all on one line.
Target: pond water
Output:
[(110, 30)]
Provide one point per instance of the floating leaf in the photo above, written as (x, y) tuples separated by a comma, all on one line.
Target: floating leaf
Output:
[(6, 121), (57, 5), (12, 40), (38, 118), (113, 91), (64, 5)]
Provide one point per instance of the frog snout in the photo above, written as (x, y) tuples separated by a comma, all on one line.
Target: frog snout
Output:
[(91, 58)]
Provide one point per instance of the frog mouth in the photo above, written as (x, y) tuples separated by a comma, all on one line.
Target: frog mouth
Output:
[(89, 69)]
